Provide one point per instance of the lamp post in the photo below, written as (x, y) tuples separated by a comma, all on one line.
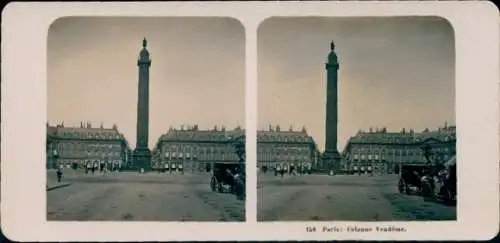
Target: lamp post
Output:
[(55, 155), (165, 162), (239, 144)]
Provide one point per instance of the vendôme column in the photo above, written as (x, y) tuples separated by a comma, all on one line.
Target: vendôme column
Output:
[(331, 156), (142, 154)]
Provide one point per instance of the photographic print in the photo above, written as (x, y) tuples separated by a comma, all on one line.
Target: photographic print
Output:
[(357, 119), (250, 121), (146, 119)]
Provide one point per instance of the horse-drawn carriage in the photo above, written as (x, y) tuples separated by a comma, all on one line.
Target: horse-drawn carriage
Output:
[(230, 176), (223, 177), (436, 181), (410, 180)]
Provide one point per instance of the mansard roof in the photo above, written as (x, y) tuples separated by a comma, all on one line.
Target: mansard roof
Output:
[(403, 137), (200, 135), (84, 133), (284, 137), (223, 136)]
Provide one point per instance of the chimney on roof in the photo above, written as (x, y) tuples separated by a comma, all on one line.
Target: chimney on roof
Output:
[(304, 130), (371, 130), (102, 125), (277, 128), (290, 129)]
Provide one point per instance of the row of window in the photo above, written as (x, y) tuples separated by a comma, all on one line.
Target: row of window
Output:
[(81, 153), (88, 161), (397, 152), (202, 156), (375, 148), (283, 157), (90, 135), (283, 149), (285, 165), (88, 146), (282, 138), (196, 148)]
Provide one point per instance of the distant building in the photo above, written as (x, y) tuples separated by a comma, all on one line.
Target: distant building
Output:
[(194, 150), (287, 150), (78, 146), (384, 152)]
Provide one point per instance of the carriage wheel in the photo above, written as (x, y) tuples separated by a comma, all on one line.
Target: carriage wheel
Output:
[(219, 187), (213, 183), (401, 186), (426, 190), (448, 196), (240, 191)]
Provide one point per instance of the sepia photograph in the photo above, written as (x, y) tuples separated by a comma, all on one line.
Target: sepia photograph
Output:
[(145, 119), (250, 121), (356, 119)]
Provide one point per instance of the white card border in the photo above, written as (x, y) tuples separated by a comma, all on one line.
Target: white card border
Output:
[(24, 32)]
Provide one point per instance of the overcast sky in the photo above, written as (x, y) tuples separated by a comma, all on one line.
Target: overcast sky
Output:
[(196, 76), (394, 72)]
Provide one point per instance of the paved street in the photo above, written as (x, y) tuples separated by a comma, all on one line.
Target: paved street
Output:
[(140, 197), (342, 197)]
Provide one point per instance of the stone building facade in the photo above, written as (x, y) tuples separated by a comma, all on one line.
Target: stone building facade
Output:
[(79, 146), (383, 152), (285, 150), (194, 150)]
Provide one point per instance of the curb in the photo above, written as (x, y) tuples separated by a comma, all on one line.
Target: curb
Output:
[(58, 186)]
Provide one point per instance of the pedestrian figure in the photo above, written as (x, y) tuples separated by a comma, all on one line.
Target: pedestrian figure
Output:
[(59, 175), (93, 170)]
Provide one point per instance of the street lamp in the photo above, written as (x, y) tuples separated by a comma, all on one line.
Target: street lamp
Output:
[(165, 164), (55, 155), (239, 145)]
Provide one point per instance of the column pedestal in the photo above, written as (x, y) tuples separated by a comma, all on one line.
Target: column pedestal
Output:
[(142, 159), (331, 160)]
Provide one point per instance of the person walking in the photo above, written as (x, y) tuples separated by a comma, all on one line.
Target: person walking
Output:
[(59, 175)]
